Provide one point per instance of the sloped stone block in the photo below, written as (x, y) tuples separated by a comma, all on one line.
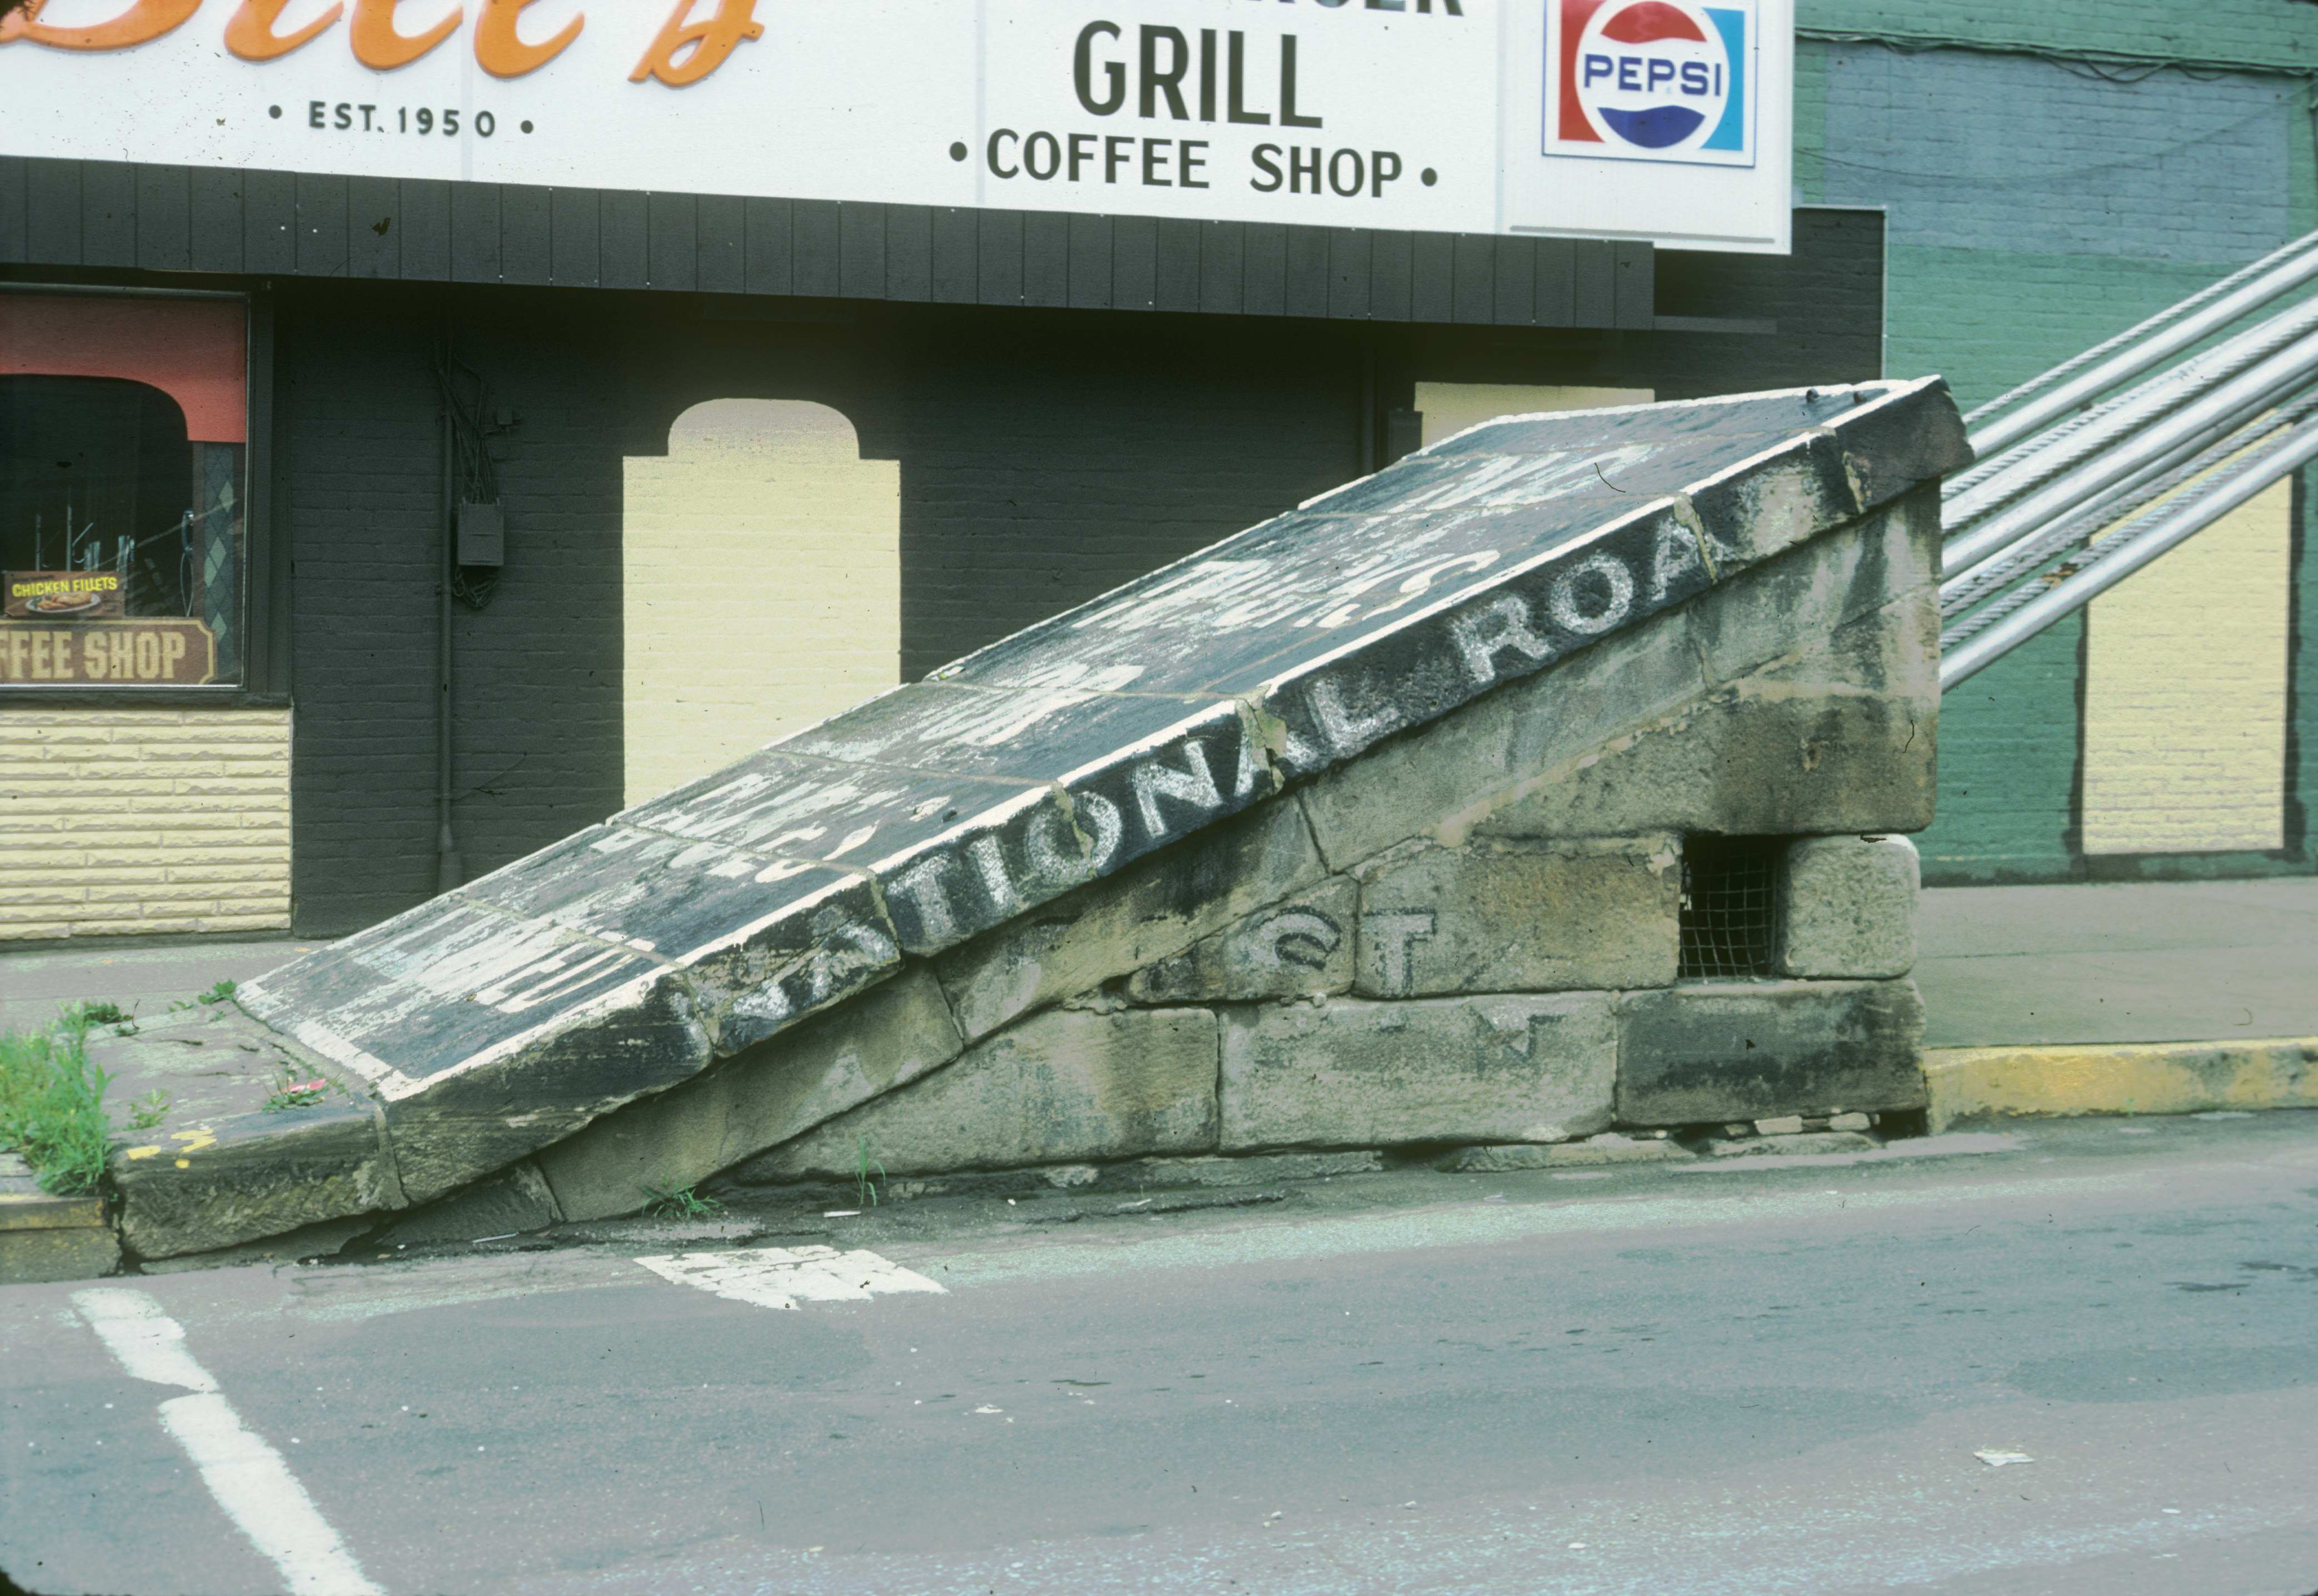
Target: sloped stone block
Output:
[(1849, 908), (1348, 1073), (250, 1175), (510, 1203), (702, 906), (1302, 946), (1743, 1051), (1112, 929), (1802, 697), (885, 1039), (1441, 781), (486, 1036), (1513, 917), (1825, 741), (1062, 1087), (1788, 608), (1709, 615), (217, 1167)]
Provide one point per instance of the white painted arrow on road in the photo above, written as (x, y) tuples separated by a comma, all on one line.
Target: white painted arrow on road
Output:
[(777, 1276)]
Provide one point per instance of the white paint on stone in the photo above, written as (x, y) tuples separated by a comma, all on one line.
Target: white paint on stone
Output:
[(1192, 787), (779, 1277)]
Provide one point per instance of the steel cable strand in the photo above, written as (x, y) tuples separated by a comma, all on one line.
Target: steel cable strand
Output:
[(1987, 486)]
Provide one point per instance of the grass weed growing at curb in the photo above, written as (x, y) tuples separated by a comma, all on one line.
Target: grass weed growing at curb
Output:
[(52, 1106), (683, 1203)]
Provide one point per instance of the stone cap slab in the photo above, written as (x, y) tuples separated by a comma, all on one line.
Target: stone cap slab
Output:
[(227, 1152), (699, 923)]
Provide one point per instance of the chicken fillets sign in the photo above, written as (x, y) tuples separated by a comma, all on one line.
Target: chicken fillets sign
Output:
[(1665, 119)]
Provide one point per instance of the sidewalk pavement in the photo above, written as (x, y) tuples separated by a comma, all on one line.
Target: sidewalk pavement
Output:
[(2001, 966), (2142, 961), (37, 978)]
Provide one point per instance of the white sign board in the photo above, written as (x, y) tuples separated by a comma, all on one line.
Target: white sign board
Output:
[(1665, 119)]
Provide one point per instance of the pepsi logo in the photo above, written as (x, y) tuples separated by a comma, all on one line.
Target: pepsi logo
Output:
[(1650, 79)]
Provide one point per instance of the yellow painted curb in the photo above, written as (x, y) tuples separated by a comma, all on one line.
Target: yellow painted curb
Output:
[(2120, 1078)]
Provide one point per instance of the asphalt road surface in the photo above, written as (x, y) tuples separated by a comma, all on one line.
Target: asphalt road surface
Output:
[(2084, 1361)]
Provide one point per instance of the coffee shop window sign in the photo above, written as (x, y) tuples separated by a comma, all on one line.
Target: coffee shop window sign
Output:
[(123, 475)]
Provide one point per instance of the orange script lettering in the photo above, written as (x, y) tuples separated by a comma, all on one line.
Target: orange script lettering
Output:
[(250, 34), (703, 45), (377, 44), (143, 21), (501, 51)]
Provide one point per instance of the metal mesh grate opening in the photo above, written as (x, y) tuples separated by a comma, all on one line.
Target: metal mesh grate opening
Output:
[(1729, 906)]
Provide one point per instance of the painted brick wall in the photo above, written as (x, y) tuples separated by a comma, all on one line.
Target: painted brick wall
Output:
[(2280, 32), (536, 734), (134, 822), (2037, 204), (2191, 757)]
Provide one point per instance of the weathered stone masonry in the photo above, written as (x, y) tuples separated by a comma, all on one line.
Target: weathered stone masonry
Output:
[(1365, 828)]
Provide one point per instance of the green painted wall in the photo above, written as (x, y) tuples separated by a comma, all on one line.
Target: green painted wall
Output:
[(2272, 33), (1966, 300)]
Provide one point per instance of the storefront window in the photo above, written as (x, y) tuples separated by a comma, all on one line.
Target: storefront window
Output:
[(124, 463)]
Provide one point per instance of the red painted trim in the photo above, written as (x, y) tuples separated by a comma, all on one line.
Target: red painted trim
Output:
[(195, 351)]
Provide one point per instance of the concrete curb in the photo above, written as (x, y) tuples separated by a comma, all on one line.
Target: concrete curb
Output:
[(2120, 1078), (47, 1238)]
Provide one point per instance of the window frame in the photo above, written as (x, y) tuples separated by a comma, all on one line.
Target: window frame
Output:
[(265, 657)]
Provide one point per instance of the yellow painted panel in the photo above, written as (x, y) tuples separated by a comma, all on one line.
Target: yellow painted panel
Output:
[(762, 562), (1450, 407), (138, 822), (2186, 692)]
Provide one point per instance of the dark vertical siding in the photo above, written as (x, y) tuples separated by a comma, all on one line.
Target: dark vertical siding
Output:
[(909, 252), (374, 228), (770, 256), (1001, 257), (52, 211), (15, 236), (527, 234), (1090, 262), (215, 222), (575, 236), (1175, 276), (108, 214), (1046, 258), (722, 242), (322, 225), (426, 229), (816, 247), (161, 217), (165, 219)]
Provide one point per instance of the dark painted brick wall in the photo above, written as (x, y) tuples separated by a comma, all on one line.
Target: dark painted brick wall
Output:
[(1046, 456), (537, 732)]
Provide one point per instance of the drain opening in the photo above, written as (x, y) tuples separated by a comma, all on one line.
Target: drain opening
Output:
[(1729, 906)]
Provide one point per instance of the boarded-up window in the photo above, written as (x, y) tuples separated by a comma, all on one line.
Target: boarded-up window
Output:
[(761, 559)]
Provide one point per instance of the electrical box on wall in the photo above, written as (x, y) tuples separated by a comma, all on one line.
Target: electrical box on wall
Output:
[(482, 536)]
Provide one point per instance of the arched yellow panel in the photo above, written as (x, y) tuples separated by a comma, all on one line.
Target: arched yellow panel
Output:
[(762, 563), (1450, 407)]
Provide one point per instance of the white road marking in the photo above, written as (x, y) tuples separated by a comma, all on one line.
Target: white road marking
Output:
[(249, 1479), (776, 1277)]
